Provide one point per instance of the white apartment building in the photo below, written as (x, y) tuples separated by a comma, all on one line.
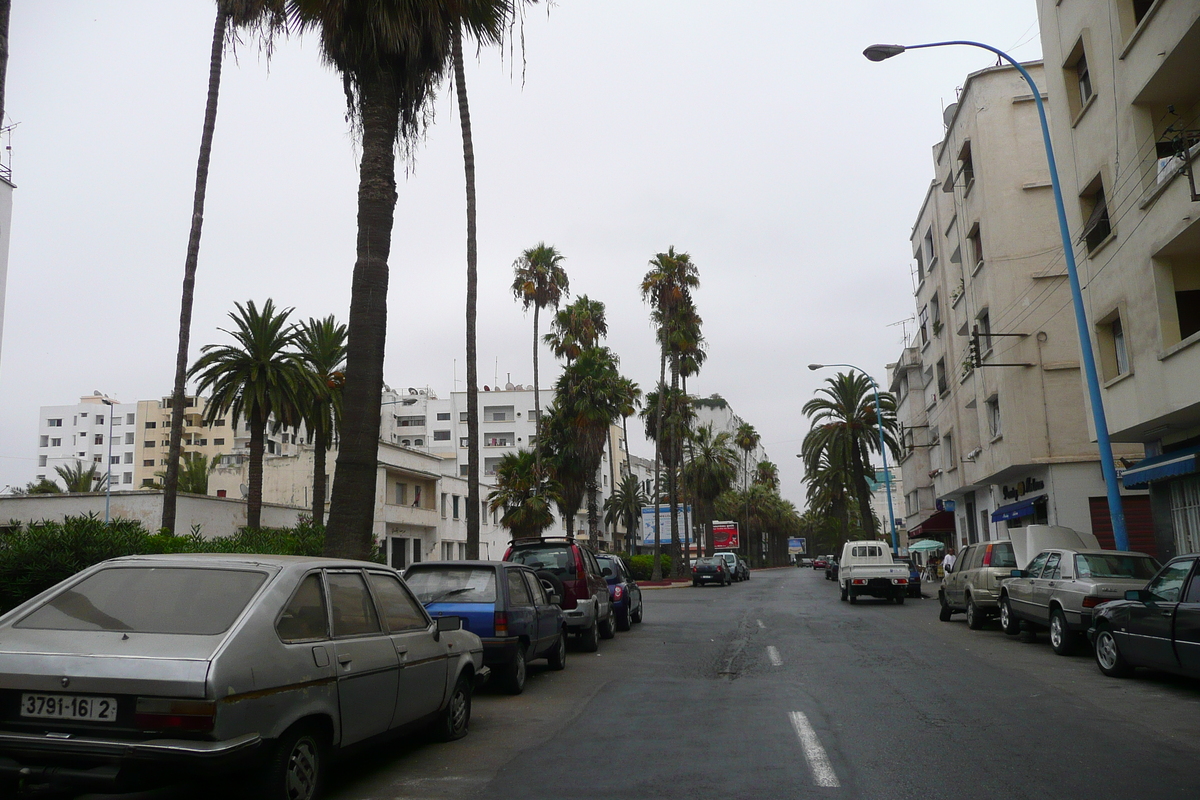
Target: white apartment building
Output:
[(989, 390), (1123, 78), (89, 432), (6, 199), (716, 411)]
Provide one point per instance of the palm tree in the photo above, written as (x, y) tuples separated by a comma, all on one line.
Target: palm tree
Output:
[(524, 493), (391, 57), (828, 493), (539, 281), (576, 327), (663, 405), (559, 458), (40, 486), (78, 479), (746, 439), (711, 470), (230, 14), (767, 474), (624, 505), (258, 379), (193, 474), (845, 430), (322, 345)]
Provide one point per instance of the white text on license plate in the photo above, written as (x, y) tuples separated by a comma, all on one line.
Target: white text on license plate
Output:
[(66, 706)]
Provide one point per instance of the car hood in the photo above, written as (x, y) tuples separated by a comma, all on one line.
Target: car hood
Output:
[(172, 665)]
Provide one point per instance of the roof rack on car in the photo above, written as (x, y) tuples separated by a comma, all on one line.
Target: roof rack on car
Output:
[(528, 539)]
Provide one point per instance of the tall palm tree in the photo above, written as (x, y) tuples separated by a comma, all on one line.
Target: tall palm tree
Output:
[(78, 479), (624, 506), (661, 407), (558, 456), (576, 327), (711, 470), (539, 281), (767, 474), (258, 378), (391, 57), (193, 474), (747, 439), (846, 431), (829, 494), (322, 346), (524, 493), (231, 14)]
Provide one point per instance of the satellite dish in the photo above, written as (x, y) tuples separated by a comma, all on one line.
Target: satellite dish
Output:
[(485, 388), (243, 489), (508, 387), (412, 391), (948, 114)]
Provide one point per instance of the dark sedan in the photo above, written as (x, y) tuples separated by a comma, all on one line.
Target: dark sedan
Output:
[(1156, 627), (623, 591), (710, 570)]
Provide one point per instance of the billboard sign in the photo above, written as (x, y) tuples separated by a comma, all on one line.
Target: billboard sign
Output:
[(797, 547), (725, 535), (664, 514)]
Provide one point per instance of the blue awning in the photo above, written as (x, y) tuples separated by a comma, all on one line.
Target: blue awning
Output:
[(1023, 508), (1157, 468)]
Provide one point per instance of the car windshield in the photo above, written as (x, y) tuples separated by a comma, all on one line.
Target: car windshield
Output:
[(709, 562), (150, 600), (452, 584), (552, 558), (1098, 565)]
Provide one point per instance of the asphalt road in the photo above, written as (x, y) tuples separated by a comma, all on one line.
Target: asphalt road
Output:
[(773, 688)]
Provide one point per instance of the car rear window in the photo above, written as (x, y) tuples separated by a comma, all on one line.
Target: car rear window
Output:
[(150, 600), (1003, 555), (452, 584), (1115, 566), (610, 564), (557, 559)]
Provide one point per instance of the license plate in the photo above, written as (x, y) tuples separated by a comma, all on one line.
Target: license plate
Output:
[(66, 706)]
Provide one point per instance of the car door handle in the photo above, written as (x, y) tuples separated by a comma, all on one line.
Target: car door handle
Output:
[(1165, 613), (345, 658)]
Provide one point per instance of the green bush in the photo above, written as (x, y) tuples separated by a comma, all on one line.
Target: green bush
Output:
[(35, 557), (643, 566)]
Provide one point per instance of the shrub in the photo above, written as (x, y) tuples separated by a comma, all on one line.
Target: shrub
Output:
[(35, 557), (643, 566)]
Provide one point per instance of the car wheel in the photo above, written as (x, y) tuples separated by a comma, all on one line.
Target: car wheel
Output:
[(456, 717), (853, 597), (636, 616), (844, 592), (589, 640), (944, 613), (1008, 620), (622, 619), (974, 618), (1062, 638), (1108, 655), (695, 583), (899, 598), (608, 628), (514, 673), (558, 657), (295, 768)]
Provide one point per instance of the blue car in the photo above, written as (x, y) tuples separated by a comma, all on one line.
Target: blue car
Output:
[(502, 603), (623, 590), (914, 577)]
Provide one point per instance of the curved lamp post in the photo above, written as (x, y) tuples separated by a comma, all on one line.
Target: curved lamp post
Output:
[(887, 473), (880, 52)]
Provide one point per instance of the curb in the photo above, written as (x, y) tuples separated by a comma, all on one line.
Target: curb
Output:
[(664, 584)]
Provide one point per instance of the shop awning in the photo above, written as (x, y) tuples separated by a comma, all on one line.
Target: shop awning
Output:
[(941, 522), (1157, 468), (1022, 508)]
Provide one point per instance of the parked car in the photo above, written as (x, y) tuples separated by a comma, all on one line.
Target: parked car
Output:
[(914, 577), (504, 604), (623, 591), (972, 585), (710, 570), (149, 669), (569, 570), (831, 570), (821, 562), (736, 565), (1156, 626), (1060, 590), (867, 568)]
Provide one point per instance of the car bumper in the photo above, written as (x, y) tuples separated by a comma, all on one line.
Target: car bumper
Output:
[(500, 650), (582, 616), (708, 578)]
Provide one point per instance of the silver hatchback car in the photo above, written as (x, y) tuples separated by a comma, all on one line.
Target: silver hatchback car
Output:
[(148, 668)]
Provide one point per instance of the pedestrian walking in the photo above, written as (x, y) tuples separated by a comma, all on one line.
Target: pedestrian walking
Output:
[(948, 560)]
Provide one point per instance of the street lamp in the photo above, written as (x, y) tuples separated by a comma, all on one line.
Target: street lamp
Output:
[(887, 473), (108, 479), (880, 52)]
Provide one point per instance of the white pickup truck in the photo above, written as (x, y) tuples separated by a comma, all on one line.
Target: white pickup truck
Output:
[(867, 568)]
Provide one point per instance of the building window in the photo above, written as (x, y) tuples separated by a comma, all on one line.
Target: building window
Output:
[(1185, 513), (148, 483), (993, 414), (463, 470), (463, 441), (99, 419), (128, 458), (984, 327), (935, 315), (499, 440), (151, 425), (129, 438), (942, 385), (443, 416), (930, 256), (147, 444), (54, 423), (116, 420), (56, 442), (148, 462), (975, 247), (948, 452), (1114, 351), (83, 415), (1097, 228), (129, 419), (455, 498), (99, 438), (532, 416), (441, 436), (967, 167), (1179, 282), (483, 512), (406, 442), (218, 442), (410, 422), (127, 477), (447, 551), (443, 505), (462, 416), (220, 423), (401, 494), (42, 461), (43, 441), (418, 442), (924, 320), (1078, 77)]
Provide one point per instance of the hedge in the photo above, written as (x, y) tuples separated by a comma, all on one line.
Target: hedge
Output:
[(36, 556), (643, 566)]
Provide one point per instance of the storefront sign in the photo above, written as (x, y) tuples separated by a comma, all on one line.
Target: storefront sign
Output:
[(725, 535), (1021, 488)]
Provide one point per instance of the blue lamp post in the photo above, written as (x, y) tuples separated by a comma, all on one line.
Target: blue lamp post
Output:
[(887, 473), (880, 52)]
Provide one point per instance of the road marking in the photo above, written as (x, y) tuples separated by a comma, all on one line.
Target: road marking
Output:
[(773, 654), (760, 623), (814, 753)]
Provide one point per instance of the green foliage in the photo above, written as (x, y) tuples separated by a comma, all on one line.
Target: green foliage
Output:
[(643, 566), (43, 486), (35, 557), (79, 479)]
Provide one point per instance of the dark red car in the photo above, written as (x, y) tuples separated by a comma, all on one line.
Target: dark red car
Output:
[(570, 570), (820, 562)]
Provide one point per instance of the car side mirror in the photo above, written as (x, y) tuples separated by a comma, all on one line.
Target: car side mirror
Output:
[(1138, 595), (555, 600), (1018, 573), (445, 624), (607, 572)]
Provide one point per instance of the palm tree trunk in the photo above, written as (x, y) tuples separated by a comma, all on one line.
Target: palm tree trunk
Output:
[(673, 475), (686, 523), (862, 491), (656, 574), (5, 8), (464, 115), (351, 514), (320, 445), (612, 477), (537, 395), (593, 511), (171, 480), (258, 429)]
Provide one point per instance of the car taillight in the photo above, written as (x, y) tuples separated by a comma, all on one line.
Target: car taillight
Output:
[(618, 592), (580, 569), (693, 569), (1091, 601), (899, 581), (859, 581), (720, 569), (156, 713), (987, 556), (501, 624)]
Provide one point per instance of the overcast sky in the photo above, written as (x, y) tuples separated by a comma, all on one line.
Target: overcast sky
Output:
[(753, 136)]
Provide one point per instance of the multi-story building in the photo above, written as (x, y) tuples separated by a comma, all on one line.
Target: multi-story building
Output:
[(1123, 79), (6, 195), (96, 430), (717, 412), (989, 388)]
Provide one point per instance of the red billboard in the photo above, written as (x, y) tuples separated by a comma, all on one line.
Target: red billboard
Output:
[(725, 535)]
